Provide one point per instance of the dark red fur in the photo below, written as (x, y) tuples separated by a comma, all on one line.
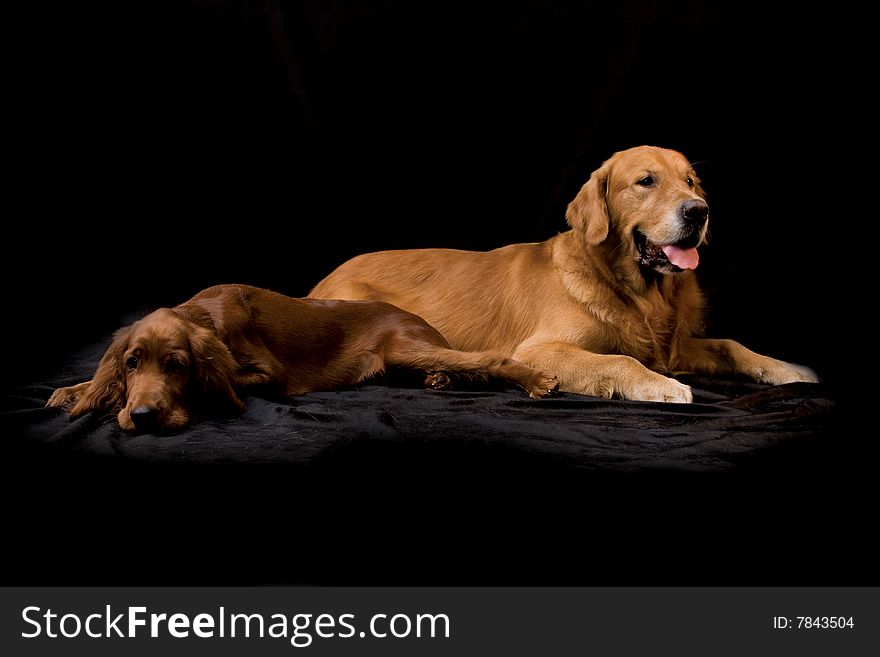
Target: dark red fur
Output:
[(229, 338)]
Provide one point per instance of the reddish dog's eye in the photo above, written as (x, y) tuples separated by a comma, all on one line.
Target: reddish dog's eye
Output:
[(132, 363), (690, 181), (647, 181), (173, 365)]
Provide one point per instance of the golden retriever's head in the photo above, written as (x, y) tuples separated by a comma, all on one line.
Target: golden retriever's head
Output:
[(650, 200), (155, 368)]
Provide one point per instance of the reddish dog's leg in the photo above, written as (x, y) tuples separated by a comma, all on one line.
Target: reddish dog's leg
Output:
[(66, 397), (437, 360)]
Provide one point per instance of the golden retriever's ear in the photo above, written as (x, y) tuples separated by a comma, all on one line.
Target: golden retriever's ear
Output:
[(215, 366), (588, 212), (107, 389)]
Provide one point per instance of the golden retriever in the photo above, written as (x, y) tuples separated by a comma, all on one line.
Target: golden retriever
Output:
[(232, 337), (612, 306)]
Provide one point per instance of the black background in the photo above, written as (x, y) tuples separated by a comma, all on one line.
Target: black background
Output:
[(163, 147)]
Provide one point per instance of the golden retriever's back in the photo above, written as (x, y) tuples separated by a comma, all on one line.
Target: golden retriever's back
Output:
[(427, 281)]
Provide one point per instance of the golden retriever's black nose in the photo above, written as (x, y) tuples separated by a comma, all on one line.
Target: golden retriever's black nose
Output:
[(695, 212), (144, 417)]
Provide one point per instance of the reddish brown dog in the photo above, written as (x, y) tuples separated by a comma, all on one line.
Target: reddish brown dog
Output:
[(231, 337), (611, 306)]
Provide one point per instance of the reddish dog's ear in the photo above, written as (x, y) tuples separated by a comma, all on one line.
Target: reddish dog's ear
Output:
[(107, 389), (214, 366), (588, 212)]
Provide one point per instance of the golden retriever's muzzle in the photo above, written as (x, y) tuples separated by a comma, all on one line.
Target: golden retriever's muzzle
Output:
[(695, 214), (680, 253)]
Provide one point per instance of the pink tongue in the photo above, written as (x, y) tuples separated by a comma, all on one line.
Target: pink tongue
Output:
[(682, 258)]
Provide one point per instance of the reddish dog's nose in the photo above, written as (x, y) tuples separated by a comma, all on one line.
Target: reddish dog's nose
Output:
[(144, 417), (695, 212)]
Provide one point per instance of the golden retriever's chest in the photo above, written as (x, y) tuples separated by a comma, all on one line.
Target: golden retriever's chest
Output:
[(647, 331), (650, 337)]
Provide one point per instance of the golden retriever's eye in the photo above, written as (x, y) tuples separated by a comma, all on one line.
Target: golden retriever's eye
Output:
[(690, 181), (647, 181), (131, 363)]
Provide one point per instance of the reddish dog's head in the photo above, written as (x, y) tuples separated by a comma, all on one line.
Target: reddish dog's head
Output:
[(155, 369), (650, 200)]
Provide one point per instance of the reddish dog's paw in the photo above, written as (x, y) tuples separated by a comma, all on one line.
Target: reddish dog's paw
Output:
[(438, 381), (543, 384), (66, 398)]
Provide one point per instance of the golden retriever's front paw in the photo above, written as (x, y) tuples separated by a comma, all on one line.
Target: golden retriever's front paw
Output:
[(661, 389), (777, 372)]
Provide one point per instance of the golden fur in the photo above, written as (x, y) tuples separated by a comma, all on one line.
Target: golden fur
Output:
[(597, 304), (232, 337)]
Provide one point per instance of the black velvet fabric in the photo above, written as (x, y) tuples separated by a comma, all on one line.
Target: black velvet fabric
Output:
[(396, 484), (730, 422)]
